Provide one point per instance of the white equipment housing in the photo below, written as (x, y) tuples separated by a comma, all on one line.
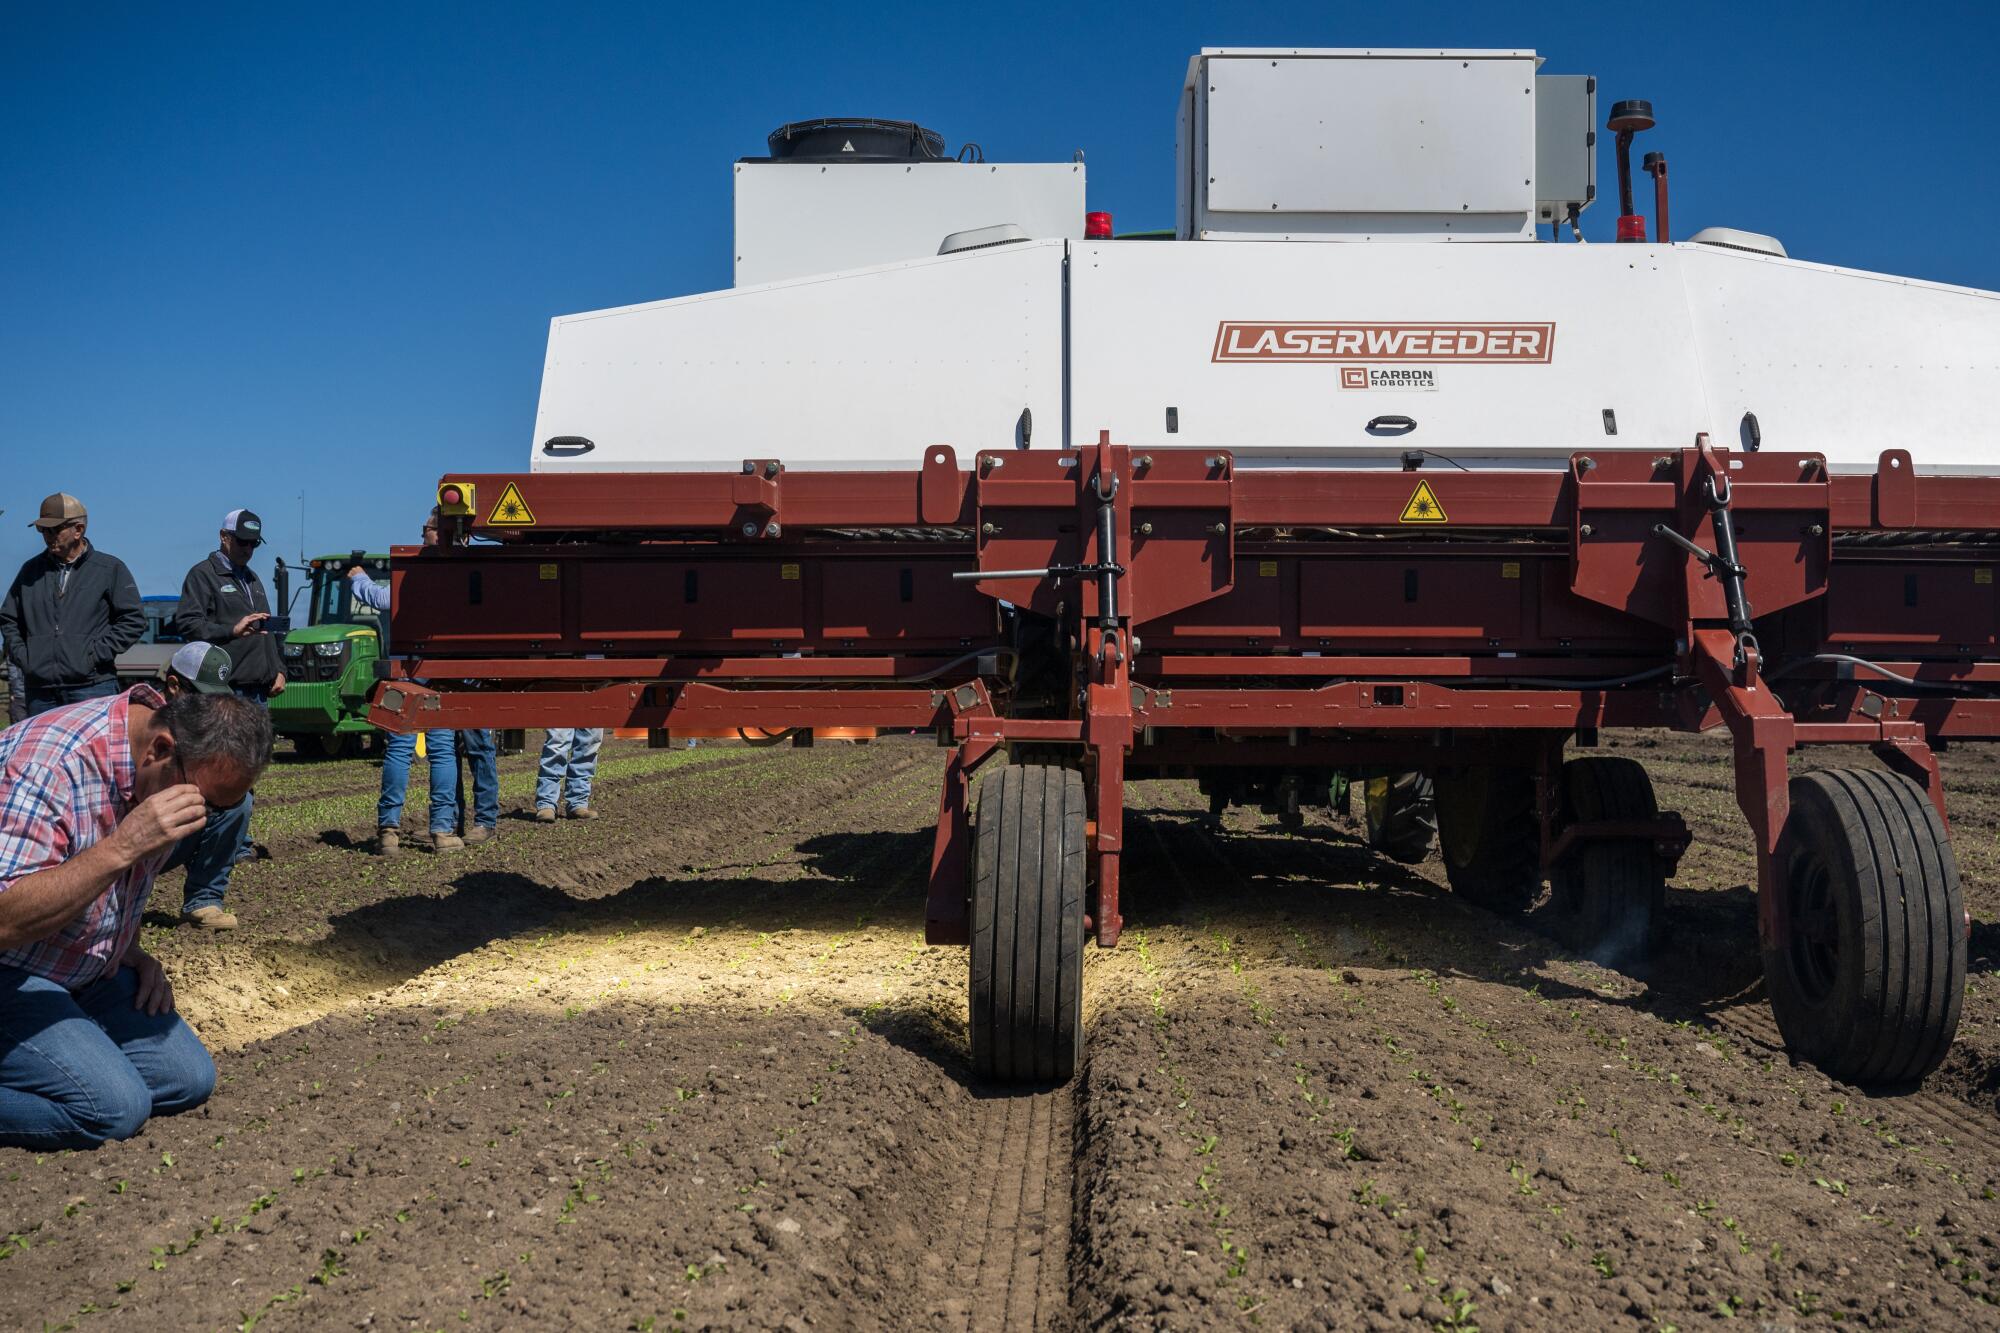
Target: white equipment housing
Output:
[(799, 218), (1358, 145), (1499, 355)]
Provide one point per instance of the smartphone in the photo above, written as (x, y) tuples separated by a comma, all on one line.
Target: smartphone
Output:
[(278, 625)]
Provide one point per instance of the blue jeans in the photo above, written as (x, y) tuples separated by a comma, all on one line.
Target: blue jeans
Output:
[(244, 850), (209, 855), (396, 756), (77, 1069), (41, 698), (482, 756), (569, 761)]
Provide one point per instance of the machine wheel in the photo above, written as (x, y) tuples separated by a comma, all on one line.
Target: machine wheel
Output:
[(1402, 815), (1609, 895), (334, 745), (1867, 978), (1490, 837), (1027, 925)]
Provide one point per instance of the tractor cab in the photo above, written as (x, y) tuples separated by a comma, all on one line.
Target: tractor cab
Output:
[(330, 660)]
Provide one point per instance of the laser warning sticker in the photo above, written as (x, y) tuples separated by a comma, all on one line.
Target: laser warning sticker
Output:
[(1423, 507), (510, 510)]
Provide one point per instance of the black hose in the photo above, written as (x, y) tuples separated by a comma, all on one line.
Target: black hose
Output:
[(1948, 687), (955, 662)]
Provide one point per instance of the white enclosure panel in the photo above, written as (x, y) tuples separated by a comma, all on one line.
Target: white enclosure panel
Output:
[(1147, 330), (845, 370), (1340, 135), (796, 218), (1845, 362), (1358, 145)]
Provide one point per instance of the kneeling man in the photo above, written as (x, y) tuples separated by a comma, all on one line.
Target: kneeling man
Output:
[(94, 799)]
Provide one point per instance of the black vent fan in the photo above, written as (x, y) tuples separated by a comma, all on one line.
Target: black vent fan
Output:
[(855, 139)]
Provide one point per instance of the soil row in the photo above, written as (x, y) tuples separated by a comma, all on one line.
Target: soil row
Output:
[(690, 1066)]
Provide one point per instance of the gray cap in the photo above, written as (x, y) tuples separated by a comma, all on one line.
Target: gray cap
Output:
[(202, 667)]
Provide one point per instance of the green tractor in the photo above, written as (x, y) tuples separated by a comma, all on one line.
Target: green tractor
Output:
[(330, 660)]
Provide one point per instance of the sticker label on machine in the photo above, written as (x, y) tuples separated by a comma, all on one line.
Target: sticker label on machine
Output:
[(1398, 380), (510, 510), (1524, 343), (1423, 507)]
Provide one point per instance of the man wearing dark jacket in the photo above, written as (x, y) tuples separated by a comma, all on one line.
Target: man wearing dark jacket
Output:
[(70, 612), (223, 602)]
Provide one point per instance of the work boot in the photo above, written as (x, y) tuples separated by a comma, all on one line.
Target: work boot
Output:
[(447, 842), (388, 842), (580, 812), (479, 833), (210, 918), (545, 814)]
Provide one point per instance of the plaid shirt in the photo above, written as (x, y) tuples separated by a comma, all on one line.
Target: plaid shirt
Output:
[(65, 782)]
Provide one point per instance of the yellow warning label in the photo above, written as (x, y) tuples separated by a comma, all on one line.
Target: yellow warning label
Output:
[(1423, 507), (550, 573), (1982, 576), (1267, 569), (1510, 569), (510, 510), (789, 573)]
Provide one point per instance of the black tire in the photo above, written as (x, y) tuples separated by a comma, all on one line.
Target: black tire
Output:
[(334, 745), (1490, 837), (1028, 874), (1401, 812), (1867, 980), (1610, 895)]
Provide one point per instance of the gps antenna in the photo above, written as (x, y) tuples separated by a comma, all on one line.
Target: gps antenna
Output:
[(1628, 119)]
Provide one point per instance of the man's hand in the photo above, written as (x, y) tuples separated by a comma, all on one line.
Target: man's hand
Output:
[(278, 685), (355, 573), (156, 993), (160, 821), (250, 623)]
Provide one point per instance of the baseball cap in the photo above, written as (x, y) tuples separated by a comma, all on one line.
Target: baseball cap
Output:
[(58, 509), (244, 526), (203, 667)]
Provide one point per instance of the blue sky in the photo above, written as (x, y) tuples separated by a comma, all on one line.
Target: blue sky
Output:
[(248, 251)]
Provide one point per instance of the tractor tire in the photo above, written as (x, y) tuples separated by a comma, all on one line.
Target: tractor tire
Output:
[(1490, 837), (335, 745), (1028, 872), (1401, 814), (1610, 896), (1868, 974)]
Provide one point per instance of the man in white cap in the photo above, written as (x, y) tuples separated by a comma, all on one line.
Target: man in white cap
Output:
[(203, 668), (69, 613), (223, 602)]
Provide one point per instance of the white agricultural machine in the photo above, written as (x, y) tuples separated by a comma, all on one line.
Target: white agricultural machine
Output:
[(1372, 469)]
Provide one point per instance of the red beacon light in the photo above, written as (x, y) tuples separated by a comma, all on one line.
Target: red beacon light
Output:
[(1096, 226)]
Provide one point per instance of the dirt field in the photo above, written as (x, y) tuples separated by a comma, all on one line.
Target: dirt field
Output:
[(691, 1066)]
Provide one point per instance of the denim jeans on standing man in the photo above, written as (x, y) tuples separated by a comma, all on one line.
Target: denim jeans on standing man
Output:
[(208, 855), (78, 1069), (41, 698), (482, 756), (569, 761), (398, 750)]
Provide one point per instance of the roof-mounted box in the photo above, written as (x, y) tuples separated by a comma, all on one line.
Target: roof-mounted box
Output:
[(1354, 145)]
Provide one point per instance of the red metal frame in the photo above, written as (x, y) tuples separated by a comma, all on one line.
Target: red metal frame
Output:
[(1215, 616)]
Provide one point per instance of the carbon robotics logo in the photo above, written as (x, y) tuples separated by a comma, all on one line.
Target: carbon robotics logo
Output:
[(1511, 344)]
